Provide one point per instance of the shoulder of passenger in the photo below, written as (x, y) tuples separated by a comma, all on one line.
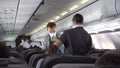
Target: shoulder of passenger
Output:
[(68, 30), (44, 39)]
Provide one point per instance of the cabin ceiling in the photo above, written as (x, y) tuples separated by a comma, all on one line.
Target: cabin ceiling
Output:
[(48, 11), (14, 14)]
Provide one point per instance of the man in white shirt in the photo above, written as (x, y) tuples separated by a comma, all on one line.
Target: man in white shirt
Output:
[(25, 43)]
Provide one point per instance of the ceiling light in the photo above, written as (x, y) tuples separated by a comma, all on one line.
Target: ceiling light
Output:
[(57, 17), (51, 20), (73, 7), (40, 28), (65, 12), (83, 1), (46, 24), (35, 31)]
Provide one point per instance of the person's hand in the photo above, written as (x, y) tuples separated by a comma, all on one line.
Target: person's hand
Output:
[(53, 48)]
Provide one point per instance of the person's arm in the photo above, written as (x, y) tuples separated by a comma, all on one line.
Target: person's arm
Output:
[(57, 43), (61, 40), (44, 43)]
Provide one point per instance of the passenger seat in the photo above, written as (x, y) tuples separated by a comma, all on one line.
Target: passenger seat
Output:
[(52, 60)]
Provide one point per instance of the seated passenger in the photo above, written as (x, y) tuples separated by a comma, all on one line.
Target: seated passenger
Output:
[(4, 50), (50, 39), (10, 47), (37, 48), (109, 59), (77, 41), (24, 43)]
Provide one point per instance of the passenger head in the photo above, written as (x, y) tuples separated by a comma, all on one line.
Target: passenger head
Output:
[(51, 27), (4, 50), (9, 46), (77, 19), (35, 46), (24, 38), (112, 58)]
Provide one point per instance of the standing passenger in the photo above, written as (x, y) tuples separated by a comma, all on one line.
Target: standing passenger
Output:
[(76, 40), (50, 38)]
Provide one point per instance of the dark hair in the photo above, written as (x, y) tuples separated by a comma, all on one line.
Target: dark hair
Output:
[(78, 18), (112, 58), (24, 38), (51, 24)]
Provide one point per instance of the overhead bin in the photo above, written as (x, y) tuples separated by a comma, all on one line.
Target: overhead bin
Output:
[(99, 10), (95, 13), (108, 8), (118, 6)]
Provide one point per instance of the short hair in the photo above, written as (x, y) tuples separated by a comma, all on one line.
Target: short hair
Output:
[(112, 58), (51, 24), (78, 18)]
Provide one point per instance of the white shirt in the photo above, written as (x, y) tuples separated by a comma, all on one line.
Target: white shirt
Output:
[(25, 44), (45, 41), (52, 34), (35, 43), (77, 26)]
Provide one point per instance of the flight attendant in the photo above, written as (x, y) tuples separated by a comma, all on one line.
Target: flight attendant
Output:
[(77, 41)]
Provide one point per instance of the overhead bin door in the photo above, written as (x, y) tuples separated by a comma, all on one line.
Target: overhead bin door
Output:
[(108, 8), (118, 6)]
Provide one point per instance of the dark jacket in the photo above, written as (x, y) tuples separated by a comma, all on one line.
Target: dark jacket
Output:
[(76, 41)]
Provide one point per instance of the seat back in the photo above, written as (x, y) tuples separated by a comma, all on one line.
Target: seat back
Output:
[(29, 54), (36, 58), (52, 60), (4, 62), (74, 66), (15, 54), (110, 66)]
